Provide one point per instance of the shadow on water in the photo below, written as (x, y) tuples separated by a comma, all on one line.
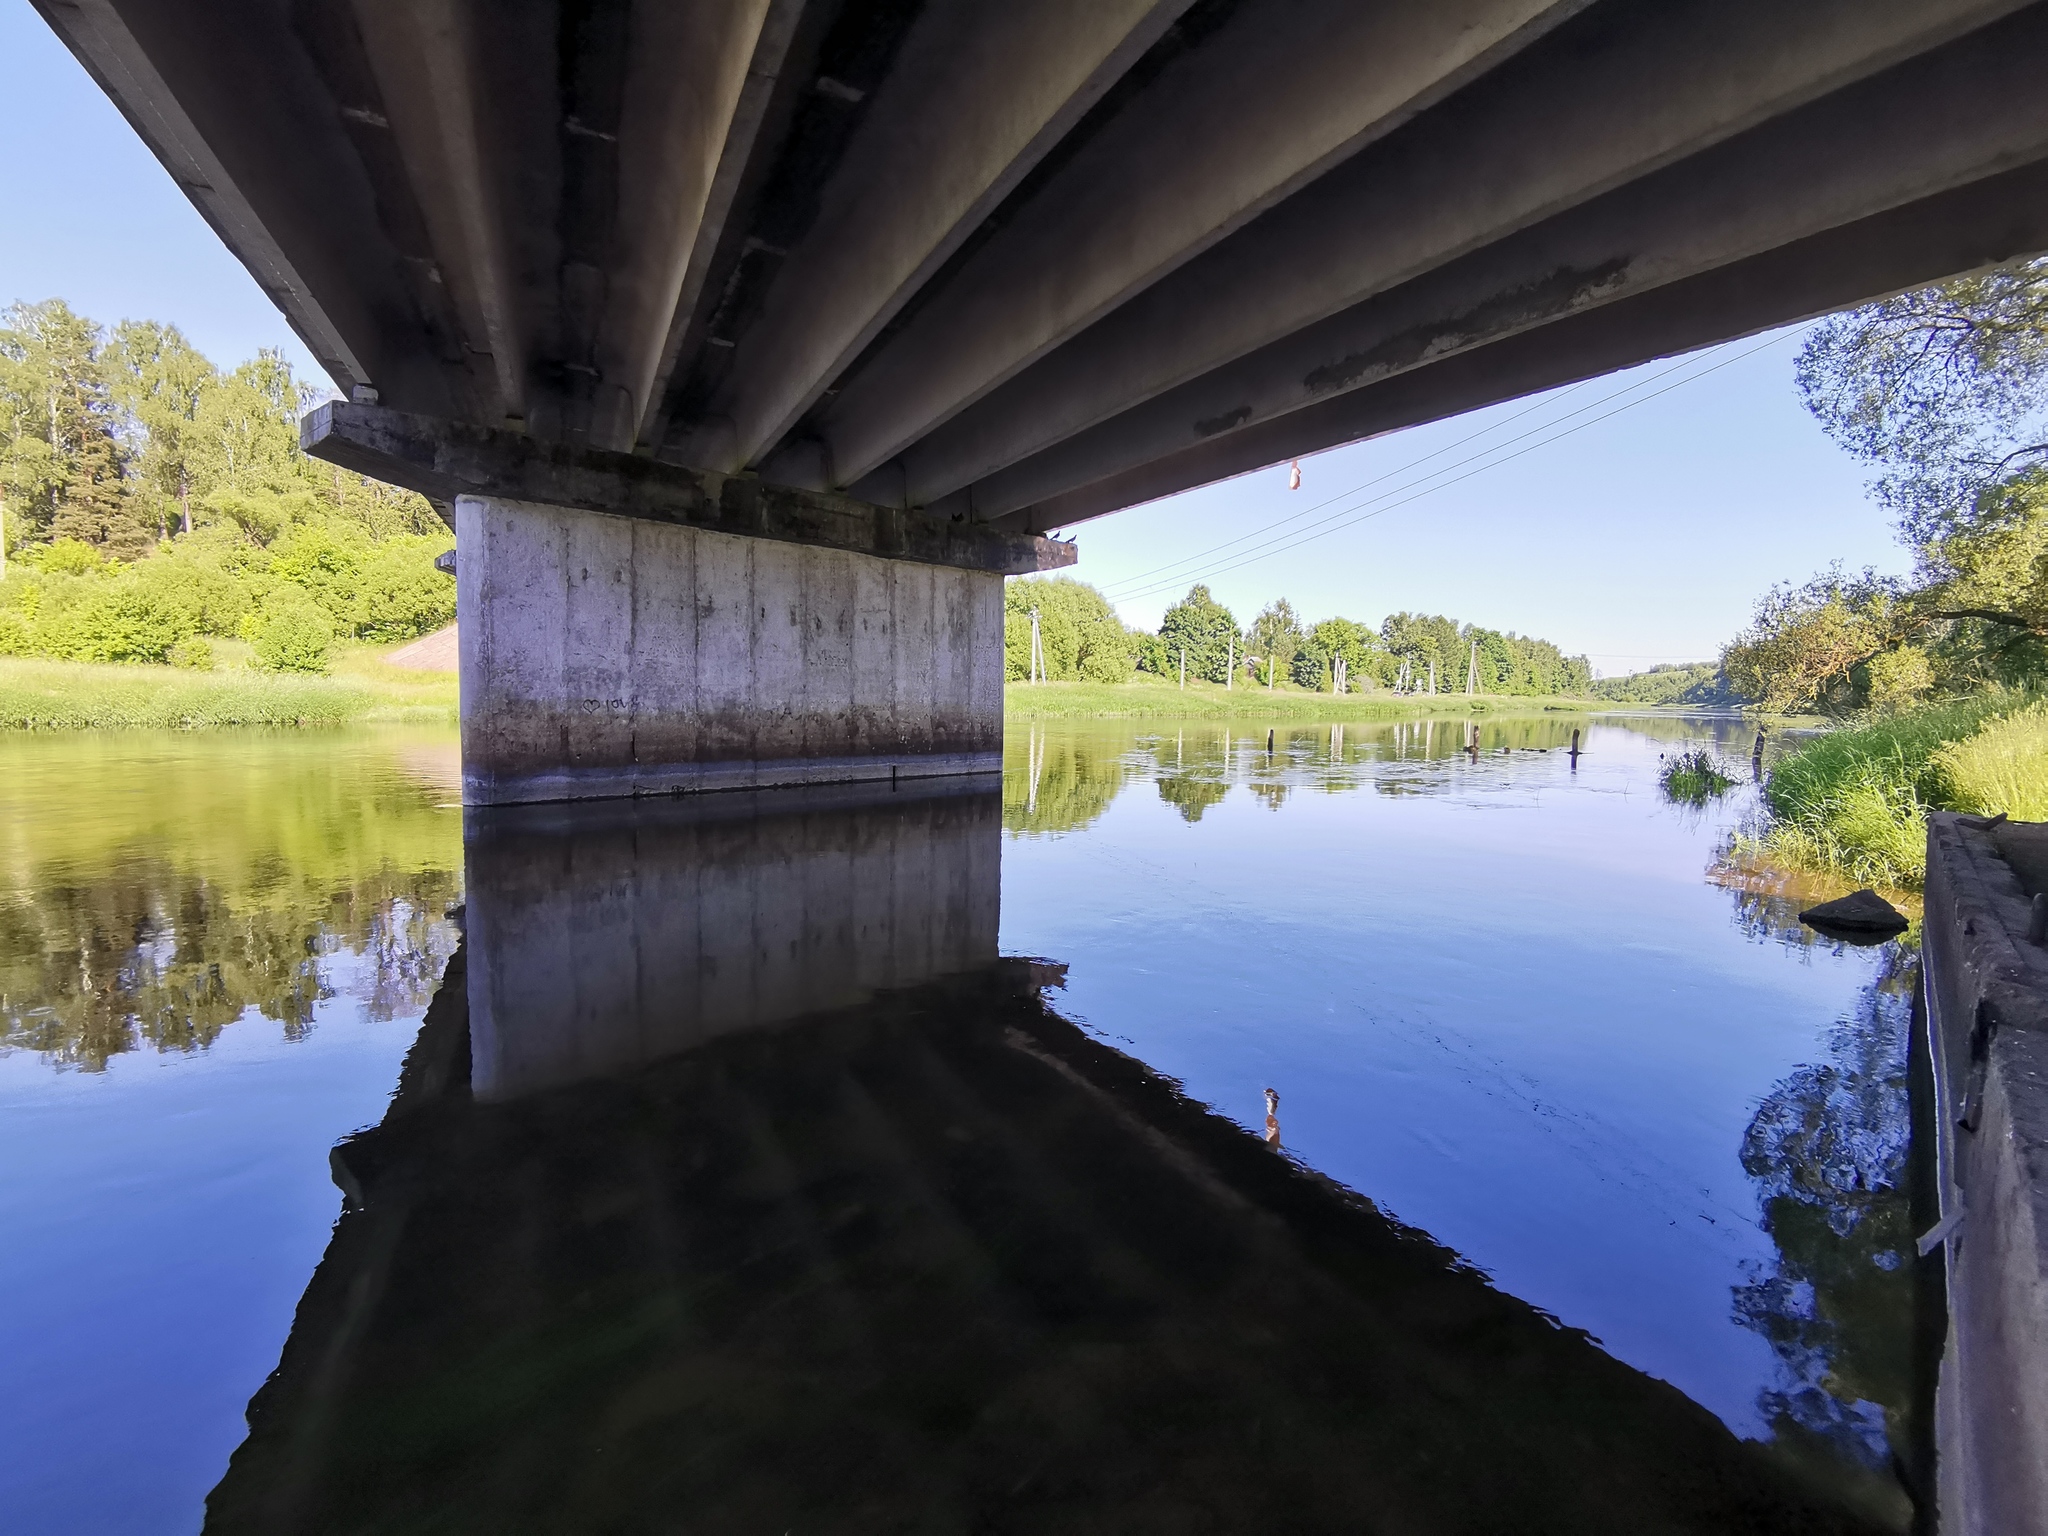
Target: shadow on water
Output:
[(736, 1183)]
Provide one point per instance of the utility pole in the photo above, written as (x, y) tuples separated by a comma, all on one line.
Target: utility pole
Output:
[(1472, 672), (1183, 669), (1432, 678), (1229, 659), (1037, 650)]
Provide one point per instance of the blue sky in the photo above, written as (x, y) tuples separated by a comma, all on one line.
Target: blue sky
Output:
[(1641, 537)]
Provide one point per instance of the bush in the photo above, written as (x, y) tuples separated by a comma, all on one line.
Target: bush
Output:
[(194, 655), (66, 557), (400, 594), (293, 633), (127, 620)]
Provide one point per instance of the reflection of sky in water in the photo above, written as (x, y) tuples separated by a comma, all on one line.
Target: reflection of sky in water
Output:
[(1500, 998), (164, 1189), (1503, 1001)]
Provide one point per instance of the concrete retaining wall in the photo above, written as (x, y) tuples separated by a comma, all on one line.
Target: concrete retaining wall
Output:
[(606, 656), (1987, 997)]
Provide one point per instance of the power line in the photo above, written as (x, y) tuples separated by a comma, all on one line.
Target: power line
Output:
[(1295, 517), (1303, 535), (1307, 535)]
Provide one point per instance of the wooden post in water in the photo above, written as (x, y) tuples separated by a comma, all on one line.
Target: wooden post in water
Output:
[(1575, 747), (1756, 758), (1269, 741)]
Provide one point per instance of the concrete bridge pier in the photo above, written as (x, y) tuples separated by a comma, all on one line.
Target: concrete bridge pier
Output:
[(608, 656), (633, 628)]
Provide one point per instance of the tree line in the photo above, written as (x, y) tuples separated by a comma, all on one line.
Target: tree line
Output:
[(1082, 639), (1944, 391), (152, 503)]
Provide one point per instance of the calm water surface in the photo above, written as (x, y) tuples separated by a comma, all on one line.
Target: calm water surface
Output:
[(741, 1177)]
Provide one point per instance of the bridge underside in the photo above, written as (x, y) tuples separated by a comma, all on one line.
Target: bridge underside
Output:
[(1006, 268)]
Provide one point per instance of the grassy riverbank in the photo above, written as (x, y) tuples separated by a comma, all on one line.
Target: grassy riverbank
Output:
[(74, 696), (1146, 698), (1854, 802)]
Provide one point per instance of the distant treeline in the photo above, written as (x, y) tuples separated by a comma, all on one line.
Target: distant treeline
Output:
[(149, 501), (1083, 640), (1700, 683)]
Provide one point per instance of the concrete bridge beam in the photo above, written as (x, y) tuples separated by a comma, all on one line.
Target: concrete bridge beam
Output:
[(1934, 124), (1586, 110)]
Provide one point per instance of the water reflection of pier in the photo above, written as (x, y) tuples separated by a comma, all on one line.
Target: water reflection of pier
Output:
[(736, 1184)]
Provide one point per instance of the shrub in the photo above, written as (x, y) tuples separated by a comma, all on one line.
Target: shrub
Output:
[(66, 557), (193, 654), (17, 638), (401, 595), (126, 620), (293, 633)]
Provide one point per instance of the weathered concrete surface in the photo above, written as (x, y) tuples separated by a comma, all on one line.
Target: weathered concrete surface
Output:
[(443, 460), (630, 931), (606, 656), (1987, 995), (1035, 261)]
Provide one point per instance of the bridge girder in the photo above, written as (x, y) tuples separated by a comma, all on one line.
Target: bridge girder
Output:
[(1030, 263)]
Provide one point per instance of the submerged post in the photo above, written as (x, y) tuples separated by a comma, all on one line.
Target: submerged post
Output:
[(1575, 747)]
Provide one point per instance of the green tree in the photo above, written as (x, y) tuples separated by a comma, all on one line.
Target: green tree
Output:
[(1804, 644), (1082, 637), (161, 381), (1205, 630), (1276, 638), (1421, 640), (1325, 643), (1943, 390)]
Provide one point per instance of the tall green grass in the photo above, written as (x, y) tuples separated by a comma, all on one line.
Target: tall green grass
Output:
[(1695, 777), (77, 696), (2004, 767), (1855, 802), (1146, 697)]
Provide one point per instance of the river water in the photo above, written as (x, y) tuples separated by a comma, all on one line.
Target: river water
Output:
[(1339, 1130)]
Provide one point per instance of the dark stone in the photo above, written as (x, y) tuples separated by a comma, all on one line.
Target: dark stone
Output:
[(1859, 913)]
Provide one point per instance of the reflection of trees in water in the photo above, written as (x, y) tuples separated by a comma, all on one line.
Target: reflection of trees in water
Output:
[(1060, 776), (151, 894), (1190, 795), (148, 955), (1828, 1151), (1060, 782)]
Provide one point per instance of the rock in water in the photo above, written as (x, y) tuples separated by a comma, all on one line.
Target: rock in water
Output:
[(1859, 912)]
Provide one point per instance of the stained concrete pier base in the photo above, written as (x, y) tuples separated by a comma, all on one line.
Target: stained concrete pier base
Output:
[(606, 656)]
